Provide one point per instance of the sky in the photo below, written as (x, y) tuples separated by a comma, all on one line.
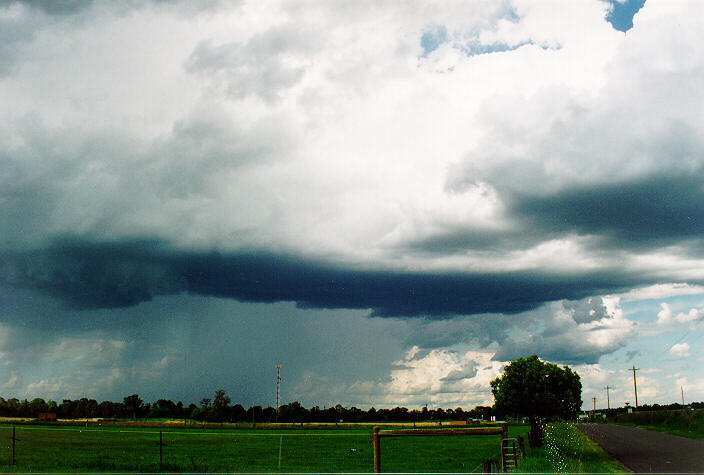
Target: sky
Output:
[(391, 200)]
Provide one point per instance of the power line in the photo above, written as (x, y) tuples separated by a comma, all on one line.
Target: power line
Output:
[(673, 344)]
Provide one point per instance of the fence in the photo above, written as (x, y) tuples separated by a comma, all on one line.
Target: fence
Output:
[(377, 434), (41, 448)]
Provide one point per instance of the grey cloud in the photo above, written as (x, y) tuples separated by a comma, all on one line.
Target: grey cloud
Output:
[(623, 172), (652, 212), (159, 347), (15, 32), (556, 348), (58, 7), (95, 275), (468, 371), (33, 16), (209, 143), (102, 277), (265, 65), (616, 138), (482, 330), (589, 310), (73, 7), (642, 214), (457, 240), (560, 332), (645, 214), (101, 182)]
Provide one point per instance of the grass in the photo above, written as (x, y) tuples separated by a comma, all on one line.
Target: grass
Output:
[(48, 448), (683, 423), (567, 450)]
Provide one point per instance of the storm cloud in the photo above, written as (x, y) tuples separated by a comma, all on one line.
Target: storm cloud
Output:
[(460, 183), (95, 275)]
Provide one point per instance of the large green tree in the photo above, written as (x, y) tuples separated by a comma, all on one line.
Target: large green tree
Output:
[(134, 404), (537, 389), (220, 403)]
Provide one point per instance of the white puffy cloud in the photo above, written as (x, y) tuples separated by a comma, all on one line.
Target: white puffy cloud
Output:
[(662, 291), (667, 317), (680, 350), (570, 332), (329, 129), (447, 378), (347, 106)]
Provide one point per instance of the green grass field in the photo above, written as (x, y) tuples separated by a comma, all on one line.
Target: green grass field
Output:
[(45, 448)]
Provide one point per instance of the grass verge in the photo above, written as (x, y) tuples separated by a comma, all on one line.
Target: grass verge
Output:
[(683, 423), (567, 450)]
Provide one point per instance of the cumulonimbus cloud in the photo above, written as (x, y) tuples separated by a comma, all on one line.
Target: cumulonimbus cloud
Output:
[(90, 275)]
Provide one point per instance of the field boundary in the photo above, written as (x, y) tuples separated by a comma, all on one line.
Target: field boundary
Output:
[(46, 448), (377, 434)]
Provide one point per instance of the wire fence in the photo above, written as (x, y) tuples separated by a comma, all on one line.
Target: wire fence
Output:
[(73, 449)]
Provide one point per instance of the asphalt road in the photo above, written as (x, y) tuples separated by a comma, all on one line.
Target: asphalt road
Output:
[(645, 451)]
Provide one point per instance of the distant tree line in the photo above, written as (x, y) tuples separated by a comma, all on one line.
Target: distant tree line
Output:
[(219, 409)]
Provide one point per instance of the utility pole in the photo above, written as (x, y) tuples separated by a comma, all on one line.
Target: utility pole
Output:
[(682, 391), (608, 405), (635, 388), (594, 399)]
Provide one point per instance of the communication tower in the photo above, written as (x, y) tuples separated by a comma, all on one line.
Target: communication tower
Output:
[(278, 387)]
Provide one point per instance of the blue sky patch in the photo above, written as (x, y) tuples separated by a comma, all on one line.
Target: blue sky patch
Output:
[(622, 13), (433, 38), (473, 48)]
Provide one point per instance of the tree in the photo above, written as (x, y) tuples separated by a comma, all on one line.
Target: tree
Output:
[(237, 413), (293, 412), (220, 403), (134, 404), (163, 408), (537, 389)]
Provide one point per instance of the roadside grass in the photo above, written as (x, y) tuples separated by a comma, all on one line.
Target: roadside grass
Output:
[(684, 423), (71, 449), (567, 450)]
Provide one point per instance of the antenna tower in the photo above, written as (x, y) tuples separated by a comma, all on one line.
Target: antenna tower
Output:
[(278, 387)]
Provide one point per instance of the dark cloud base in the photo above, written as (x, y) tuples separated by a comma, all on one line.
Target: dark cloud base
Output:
[(652, 212), (97, 275)]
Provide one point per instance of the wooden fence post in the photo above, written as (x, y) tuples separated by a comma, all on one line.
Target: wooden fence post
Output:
[(377, 450), (486, 466), (521, 445)]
